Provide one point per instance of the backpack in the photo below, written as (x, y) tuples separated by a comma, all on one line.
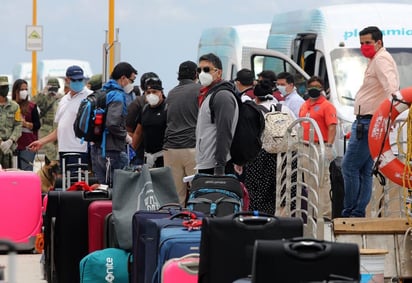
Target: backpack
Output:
[(216, 195), (276, 124), (246, 142), (107, 265), (91, 116)]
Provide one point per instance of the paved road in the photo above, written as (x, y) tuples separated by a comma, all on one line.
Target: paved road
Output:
[(27, 267)]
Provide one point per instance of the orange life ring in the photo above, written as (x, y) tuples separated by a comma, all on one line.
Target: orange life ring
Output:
[(389, 165)]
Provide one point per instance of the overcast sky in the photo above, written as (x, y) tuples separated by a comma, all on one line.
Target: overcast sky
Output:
[(155, 35)]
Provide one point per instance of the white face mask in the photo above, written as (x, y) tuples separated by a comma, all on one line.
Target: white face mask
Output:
[(152, 99), (205, 78), (128, 88), (282, 90), (23, 94)]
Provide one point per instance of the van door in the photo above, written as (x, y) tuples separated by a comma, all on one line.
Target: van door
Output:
[(309, 58), (257, 60)]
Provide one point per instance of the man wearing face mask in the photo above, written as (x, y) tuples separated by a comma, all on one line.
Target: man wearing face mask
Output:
[(151, 123), (381, 80), (214, 138), (120, 83), (133, 112), (30, 124), (66, 112), (323, 112), (286, 85), (10, 120)]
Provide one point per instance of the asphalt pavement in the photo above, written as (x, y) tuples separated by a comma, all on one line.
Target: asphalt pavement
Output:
[(26, 266)]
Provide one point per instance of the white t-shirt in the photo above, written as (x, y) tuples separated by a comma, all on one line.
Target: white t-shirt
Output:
[(65, 116)]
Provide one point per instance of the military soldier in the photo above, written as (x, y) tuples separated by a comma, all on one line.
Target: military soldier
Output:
[(10, 121), (47, 102)]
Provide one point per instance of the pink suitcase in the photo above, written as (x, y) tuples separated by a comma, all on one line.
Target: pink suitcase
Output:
[(97, 212), (181, 270), (20, 206)]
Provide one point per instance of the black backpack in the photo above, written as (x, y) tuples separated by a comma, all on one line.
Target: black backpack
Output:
[(86, 126), (246, 142)]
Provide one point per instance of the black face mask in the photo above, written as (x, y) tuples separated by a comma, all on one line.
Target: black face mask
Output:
[(314, 92), (4, 90)]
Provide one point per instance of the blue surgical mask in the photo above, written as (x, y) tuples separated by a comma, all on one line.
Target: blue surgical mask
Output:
[(282, 90), (77, 86)]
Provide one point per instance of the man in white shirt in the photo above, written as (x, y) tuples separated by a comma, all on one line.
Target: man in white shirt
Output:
[(286, 85), (65, 116)]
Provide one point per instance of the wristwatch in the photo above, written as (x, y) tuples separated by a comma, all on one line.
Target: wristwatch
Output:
[(328, 144)]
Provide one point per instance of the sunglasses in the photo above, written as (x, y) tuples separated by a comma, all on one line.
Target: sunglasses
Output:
[(78, 80), (205, 69)]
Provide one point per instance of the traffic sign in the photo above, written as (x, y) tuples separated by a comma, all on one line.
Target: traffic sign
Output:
[(34, 38)]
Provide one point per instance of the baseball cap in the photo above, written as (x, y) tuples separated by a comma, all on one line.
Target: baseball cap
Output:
[(75, 72), (96, 82), (245, 77), (153, 83), (54, 82), (145, 77), (4, 80)]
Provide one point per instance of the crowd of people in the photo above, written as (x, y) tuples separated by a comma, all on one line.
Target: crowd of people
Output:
[(146, 125)]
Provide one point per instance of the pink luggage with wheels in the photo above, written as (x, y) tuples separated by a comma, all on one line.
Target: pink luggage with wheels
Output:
[(182, 269), (97, 212), (20, 206)]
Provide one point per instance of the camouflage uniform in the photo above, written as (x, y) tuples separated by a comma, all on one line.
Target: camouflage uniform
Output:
[(47, 102), (10, 121)]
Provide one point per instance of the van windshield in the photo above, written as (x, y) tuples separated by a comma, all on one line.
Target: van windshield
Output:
[(349, 66)]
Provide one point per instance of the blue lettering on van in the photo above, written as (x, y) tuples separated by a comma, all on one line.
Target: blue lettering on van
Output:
[(385, 32)]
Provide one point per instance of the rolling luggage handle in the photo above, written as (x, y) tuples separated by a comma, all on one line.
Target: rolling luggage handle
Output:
[(253, 218), (12, 251), (66, 180), (307, 248)]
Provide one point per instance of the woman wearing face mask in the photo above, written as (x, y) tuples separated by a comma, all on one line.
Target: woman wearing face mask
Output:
[(151, 124), (30, 122)]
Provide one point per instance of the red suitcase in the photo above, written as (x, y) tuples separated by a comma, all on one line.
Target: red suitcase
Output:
[(97, 212), (182, 269), (20, 206)]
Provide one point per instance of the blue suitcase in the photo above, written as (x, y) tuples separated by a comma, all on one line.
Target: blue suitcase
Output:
[(146, 226), (175, 243)]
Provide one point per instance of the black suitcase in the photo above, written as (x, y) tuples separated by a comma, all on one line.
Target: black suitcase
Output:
[(66, 233), (305, 260), (226, 247), (337, 190)]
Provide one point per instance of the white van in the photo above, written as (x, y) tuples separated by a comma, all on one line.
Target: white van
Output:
[(227, 43), (323, 42)]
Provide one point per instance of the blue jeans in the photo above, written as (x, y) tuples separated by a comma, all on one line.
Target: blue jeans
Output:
[(104, 167), (357, 172)]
